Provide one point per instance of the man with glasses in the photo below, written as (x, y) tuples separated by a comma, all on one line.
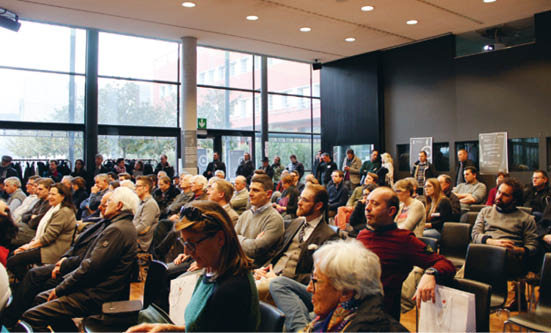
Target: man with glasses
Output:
[(537, 194), (302, 236), (29, 201), (102, 275), (147, 215)]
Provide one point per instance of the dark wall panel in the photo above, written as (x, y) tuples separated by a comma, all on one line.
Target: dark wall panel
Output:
[(349, 101)]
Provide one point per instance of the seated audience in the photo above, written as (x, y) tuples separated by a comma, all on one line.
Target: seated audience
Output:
[(48, 276), (305, 233), (438, 209), (96, 193), (165, 193), (370, 178), (124, 176), (29, 202), (102, 276), (138, 169), (80, 170), (53, 237), (286, 205), (357, 219), (471, 191), (120, 166), (220, 174), (463, 163), (240, 198), (67, 181), (492, 194), (128, 184), (295, 165), (185, 196), (537, 195), (221, 192), (78, 184), (113, 185), (53, 172), (296, 180), (347, 294), (225, 297), (351, 167), (199, 187), (29, 221), (338, 193), (147, 214), (446, 187), (12, 186), (311, 179), (279, 185), (411, 214), (163, 165), (6, 167), (8, 230), (260, 229)]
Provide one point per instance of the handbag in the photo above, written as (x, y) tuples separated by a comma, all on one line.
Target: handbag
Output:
[(453, 311)]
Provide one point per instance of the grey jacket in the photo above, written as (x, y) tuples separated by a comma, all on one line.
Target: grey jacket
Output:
[(58, 235), (354, 171), (239, 201)]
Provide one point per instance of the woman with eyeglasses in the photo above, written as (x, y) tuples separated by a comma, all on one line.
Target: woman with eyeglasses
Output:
[(225, 296), (438, 210)]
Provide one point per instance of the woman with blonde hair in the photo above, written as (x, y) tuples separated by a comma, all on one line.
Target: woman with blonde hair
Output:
[(411, 214), (225, 298), (388, 164), (438, 210)]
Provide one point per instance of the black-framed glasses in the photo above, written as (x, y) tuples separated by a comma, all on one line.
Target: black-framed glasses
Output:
[(192, 246), (314, 281)]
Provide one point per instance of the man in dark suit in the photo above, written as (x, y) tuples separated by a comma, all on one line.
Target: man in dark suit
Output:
[(302, 237), (463, 163), (216, 164)]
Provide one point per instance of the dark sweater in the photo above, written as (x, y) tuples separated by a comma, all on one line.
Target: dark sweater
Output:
[(399, 250), (338, 195)]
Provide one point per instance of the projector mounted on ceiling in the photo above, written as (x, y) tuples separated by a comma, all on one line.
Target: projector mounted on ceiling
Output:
[(9, 20)]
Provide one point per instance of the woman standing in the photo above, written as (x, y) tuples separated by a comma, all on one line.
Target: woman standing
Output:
[(53, 235), (438, 210), (225, 297), (411, 215), (388, 164)]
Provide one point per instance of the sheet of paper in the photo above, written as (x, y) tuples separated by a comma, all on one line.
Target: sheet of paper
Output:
[(181, 290)]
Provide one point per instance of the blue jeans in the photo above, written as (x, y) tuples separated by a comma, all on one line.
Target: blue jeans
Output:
[(432, 233), (293, 300)]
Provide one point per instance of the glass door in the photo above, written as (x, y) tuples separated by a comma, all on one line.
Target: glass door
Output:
[(233, 149), (204, 153)]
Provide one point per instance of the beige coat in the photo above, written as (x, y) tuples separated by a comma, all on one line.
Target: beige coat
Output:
[(58, 235)]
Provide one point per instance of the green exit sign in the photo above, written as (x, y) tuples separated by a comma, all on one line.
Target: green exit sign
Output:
[(201, 123)]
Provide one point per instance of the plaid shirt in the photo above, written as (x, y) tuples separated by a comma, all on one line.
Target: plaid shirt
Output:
[(420, 175)]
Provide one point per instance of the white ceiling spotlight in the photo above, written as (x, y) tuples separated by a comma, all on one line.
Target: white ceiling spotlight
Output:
[(489, 1), (188, 4), (367, 8), (350, 39), (252, 17), (412, 22), (305, 29)]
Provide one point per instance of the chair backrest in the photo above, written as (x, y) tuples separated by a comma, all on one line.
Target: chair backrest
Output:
[(486, 263), (544, 302), (476, 208), (432, 242), (469, 217), (155, 281), (455, 239), (483, 293), (271, 318)]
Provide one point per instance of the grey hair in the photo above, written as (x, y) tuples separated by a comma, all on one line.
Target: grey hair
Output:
[(127, 197), (129, 184), (241, 179), (70, 178), (161, 174), (350, 266), (14, 181), (220, 172), (446, 178), (102, 176), (200, 179)]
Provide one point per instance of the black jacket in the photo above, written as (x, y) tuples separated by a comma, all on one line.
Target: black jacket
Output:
[(467, 163), (538, 200), (212, 167), (370, 317), (269, 170), (338, 195), (321, 234), (326, 170), (245, 169), (104, 273), (166, 168), (164, 199), (430, 171)]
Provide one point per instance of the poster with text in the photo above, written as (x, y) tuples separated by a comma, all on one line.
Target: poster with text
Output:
[(493, 153), (416, 145)]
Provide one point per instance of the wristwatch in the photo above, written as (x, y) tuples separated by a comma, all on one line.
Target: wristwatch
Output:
[(431, 271)]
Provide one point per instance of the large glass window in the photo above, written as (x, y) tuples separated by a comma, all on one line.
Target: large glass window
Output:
[(441, 156), (289, 114), (289, 77), (35, 144), (523, 154), (225, 109), (137, 147), (224, 68), (285, 145), (403, 157)]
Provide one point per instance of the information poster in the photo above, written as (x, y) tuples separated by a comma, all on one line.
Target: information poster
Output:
[(493, 153), (416, 145)]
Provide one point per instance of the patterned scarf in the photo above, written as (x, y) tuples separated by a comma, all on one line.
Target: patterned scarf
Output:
[(337, 320)]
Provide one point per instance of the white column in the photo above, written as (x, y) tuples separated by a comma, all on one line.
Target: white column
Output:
[(188, 105)]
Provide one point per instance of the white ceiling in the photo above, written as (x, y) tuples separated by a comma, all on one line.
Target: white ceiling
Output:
[(221, 23)]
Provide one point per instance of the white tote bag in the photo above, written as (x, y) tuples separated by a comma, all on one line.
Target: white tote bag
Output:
[(453, 311)]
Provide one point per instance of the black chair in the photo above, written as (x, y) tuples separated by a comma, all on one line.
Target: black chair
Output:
[(476, 208), (482, 292), (118, 316), (432, 242), (454, 242), (540, 319), (469, 218), (486, 263), (271, 318)]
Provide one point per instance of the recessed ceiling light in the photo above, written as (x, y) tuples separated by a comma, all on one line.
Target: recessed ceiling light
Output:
[(350, 39), (489, 1), (412, 22), (305, 29), (367, 8), (188, 4), (252, 17)]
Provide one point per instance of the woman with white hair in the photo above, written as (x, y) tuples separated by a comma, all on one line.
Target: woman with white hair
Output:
[(347, 293)]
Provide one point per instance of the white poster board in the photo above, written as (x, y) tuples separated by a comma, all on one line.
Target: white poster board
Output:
[(493, 153), (416, 145)]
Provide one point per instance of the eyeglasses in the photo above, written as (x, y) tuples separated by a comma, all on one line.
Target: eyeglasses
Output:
[(314, 281), (192, 246)]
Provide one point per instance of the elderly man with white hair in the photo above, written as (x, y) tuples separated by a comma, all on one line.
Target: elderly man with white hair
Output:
[(240, 197), (346, 292), (102, 276), (12, 186), (220, 174), (199, 187)]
